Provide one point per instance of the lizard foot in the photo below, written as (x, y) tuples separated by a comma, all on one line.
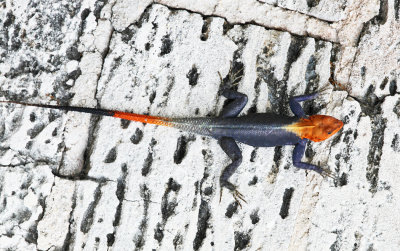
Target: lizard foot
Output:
[(238, 196), (233, 77), (327, 173)]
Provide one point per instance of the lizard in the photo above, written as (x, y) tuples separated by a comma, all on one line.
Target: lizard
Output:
[(256, 129)]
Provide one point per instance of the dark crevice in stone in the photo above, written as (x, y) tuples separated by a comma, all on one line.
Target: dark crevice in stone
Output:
[(10, 18), (396, 108), (393, 87), (287, 197), (110, 239), (128, 33), (98, 6), (204, 209), (336, 245), (27, 67), (70, 238), (193, 76), (384, 83), (111, 155), (170, 84), (396, 143), (343, 180), (396, 9), (312, 3), (32, 117), (232, 209), (229, 25), (32, 133), (137, 137), (348, 138), (242, 240), (166, 46), (208, 191), (253, 107), (375, 150), (205, 28), (120, 193), (74, 75), (202, 224), (277, 160), (253, 155), (277, 90), (93, 130), (181, 148), (296, 46), (152, 97), (149, 159), (139, 238), (382, 16), (379, 19), (88, 216), (254, 217), (253, 181), (72, 53), (125, 123), (371, 105), (226, 27), (168, 206), (312, 79), (85, 13), (177, 241)]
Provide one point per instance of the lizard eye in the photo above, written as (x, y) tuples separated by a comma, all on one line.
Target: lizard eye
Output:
[(329, 132)]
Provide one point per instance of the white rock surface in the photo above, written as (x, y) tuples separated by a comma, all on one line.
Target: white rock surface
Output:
[(79, 182)]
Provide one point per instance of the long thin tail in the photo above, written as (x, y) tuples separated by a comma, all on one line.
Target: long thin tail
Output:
[(103, 112)]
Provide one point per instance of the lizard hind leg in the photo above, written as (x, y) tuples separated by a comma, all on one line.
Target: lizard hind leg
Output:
[(233, 151), (235, 106)]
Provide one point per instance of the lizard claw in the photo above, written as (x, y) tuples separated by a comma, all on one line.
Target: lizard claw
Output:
[(233, 77), (238, 196), (325, 90), (327, 173)]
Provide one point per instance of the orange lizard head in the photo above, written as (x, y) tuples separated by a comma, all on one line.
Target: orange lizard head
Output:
[(324, 127), (317, 127)]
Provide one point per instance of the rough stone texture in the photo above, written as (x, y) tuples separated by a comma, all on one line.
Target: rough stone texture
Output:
[(71, 181)]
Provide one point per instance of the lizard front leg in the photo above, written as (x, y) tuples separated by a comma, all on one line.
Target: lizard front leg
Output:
[(232, 150), (296, 107), (298, 154)]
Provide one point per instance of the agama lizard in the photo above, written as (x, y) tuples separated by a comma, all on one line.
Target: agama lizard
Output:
[(258, 130)]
